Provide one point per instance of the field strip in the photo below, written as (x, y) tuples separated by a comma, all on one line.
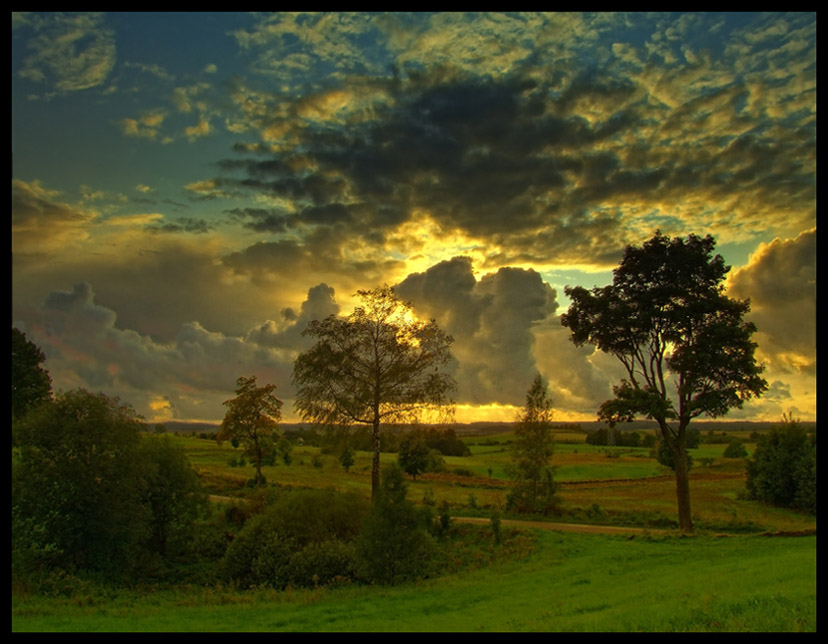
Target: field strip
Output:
[(566, 527)]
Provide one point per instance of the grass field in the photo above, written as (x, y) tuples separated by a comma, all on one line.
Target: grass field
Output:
[(571, 582), (745, 581), (598, 484)]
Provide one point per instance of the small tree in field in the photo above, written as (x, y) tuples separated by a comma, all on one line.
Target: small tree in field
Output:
[(534, 485), (378, 365), (414, 455), (685, 346), (735, 449), (252, 417), (347, 458)]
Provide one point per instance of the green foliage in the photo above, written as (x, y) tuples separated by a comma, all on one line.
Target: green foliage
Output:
[(347, 457), (78, 491), (446, 442), (285, 450), (251, 418), (374, 367), (31, 384), (621, 439), (173, 492), (735, 449), (494, 522), (89, 493), (783, 468), (692, 438), (444, 518), (416, 457), (300, 535), (534, 488), (666, 319), (395, 544), (664, 455), (323, 564)]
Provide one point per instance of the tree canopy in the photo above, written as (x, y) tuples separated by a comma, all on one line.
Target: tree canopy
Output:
[(88, 492), (252, 417), (684, 344), (31, 384), (378, 365)]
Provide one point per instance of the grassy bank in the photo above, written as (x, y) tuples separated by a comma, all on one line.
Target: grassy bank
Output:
[(571, 582)]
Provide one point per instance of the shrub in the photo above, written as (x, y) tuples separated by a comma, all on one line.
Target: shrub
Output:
[(494, 522), (783, 468), (347, 457), (395, 544), (735, 449), (282, 544), (257, 556), (322, 564)]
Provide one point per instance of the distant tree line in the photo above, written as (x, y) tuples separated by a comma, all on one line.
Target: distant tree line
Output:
[(620, 438)]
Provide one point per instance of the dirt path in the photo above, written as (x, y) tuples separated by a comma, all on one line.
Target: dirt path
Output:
[(568, 527)]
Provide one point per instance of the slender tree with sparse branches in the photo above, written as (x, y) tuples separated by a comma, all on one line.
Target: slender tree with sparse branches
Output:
[(534, 488), (684, 344), (378, 365)]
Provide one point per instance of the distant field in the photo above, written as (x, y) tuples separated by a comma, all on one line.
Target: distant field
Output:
[(597, 484)]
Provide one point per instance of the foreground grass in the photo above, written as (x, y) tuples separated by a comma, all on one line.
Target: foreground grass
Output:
[(572, 582)]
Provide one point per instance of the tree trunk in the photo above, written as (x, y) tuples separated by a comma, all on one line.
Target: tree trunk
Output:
[(257, 454), (678, 447), (375, 466), (683, 491)]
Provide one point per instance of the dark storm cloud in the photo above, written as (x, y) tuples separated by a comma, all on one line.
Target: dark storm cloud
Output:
[(32, 205), (85, 348), (319, 304), (574, 152), (183, 225), (488, 158), (492, 322), (260, 220)]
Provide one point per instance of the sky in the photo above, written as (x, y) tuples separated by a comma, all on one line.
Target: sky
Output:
[(189, 190)]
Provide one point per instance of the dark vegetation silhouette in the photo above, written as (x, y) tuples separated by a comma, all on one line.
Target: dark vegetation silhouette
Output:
[(685, 346), (31, 384), (378, 365), (415, 456), (88, 492)]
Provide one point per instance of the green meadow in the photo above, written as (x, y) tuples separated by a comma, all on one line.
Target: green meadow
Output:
[(569, 582), (744, 570)]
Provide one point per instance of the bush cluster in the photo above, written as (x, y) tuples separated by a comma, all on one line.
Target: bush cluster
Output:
[(321, 537), (783, 468), (89, 492)]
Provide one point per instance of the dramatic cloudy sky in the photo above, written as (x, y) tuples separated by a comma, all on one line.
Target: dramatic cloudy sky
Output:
[(190, 189)]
